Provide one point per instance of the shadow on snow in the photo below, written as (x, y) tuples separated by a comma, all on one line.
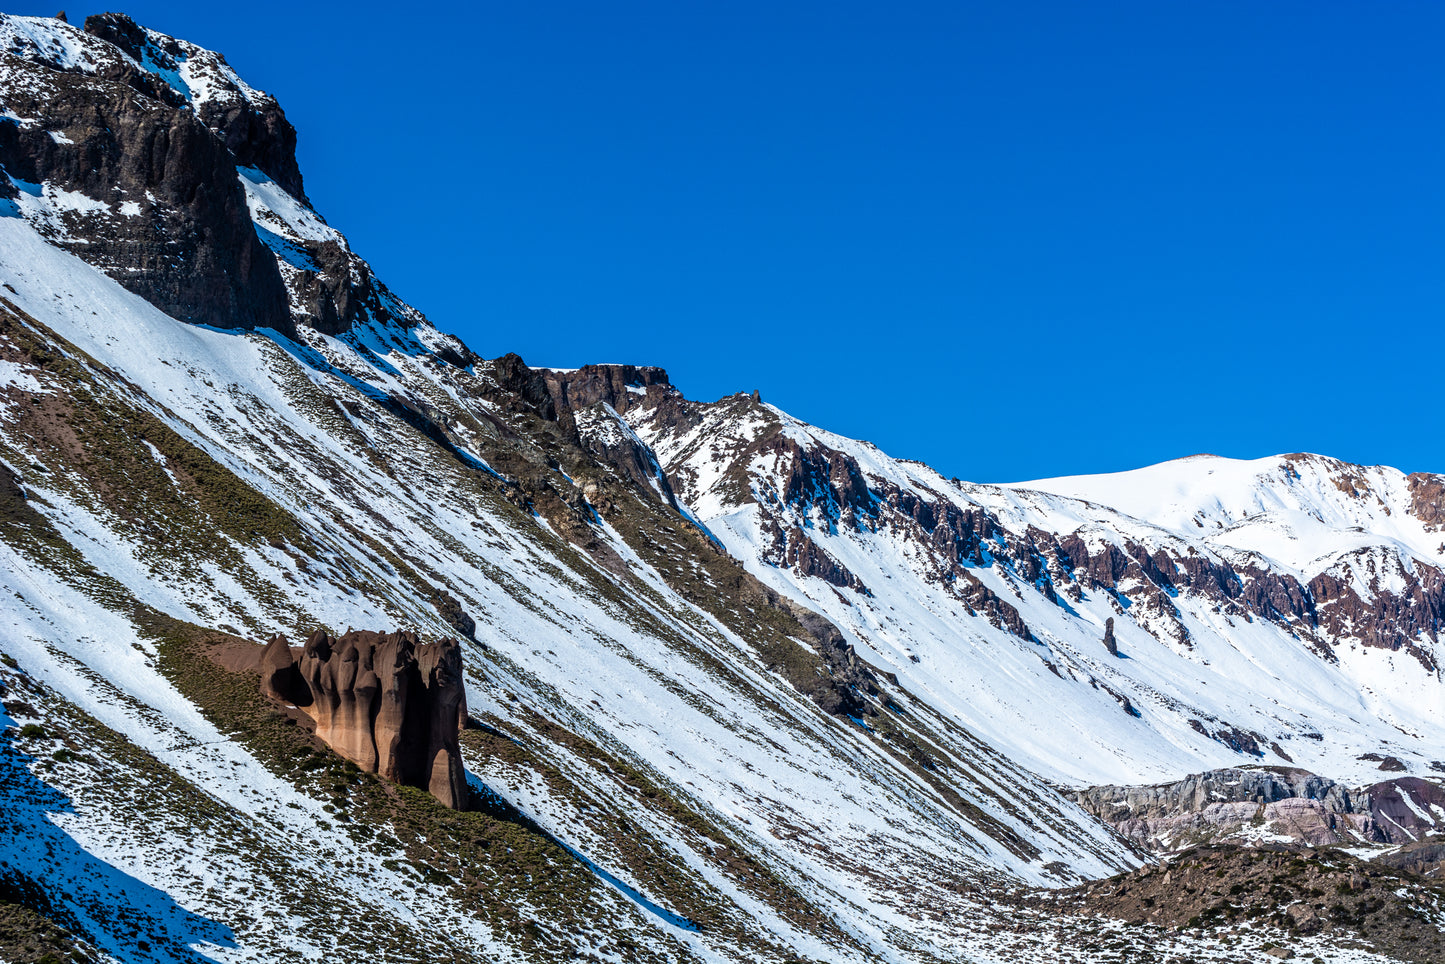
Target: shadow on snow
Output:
[(43, 867)]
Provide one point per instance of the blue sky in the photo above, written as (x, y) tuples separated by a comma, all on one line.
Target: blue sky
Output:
[(1013, 240)]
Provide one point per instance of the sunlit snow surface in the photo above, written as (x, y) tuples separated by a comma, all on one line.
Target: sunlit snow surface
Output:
[(862, 838), (1287, 512), (746, 748), (756, 767)]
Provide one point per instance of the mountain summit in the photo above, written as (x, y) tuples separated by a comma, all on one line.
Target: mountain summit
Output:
[(595, 671)]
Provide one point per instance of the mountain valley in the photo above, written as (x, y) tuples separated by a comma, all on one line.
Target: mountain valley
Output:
[(726, 686)]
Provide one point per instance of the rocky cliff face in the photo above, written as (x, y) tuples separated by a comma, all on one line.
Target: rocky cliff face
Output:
[(150, 158), (115, 166), (249, 122), (1314, 562), (385, 701), (743, 689), (1282, 804)]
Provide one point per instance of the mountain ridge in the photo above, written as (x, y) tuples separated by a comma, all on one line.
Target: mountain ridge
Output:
[(737, 687)]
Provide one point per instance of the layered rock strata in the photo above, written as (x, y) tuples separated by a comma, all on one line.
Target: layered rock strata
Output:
[(149, 158), (1270, 804)]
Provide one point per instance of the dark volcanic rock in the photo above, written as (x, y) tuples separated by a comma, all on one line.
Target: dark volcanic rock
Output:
[(849, 678), (601, 431), (163, 133), (188, 245), (793, 549), (620, 386), (391, 705), (528, 385), (456, 617), (1386, 619), (250, 123)]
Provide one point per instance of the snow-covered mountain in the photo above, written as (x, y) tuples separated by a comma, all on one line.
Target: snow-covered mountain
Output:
[(738, 689), (1202, 613)]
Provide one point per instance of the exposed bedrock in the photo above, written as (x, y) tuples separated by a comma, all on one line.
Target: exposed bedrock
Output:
[(1282, 803), (1427, 498), (1110, 643), (387, 702), (166, 215), (620, 386), (250, 123)]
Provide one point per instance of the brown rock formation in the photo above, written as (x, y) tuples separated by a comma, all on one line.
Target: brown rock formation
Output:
[(1427, 498), (385, 701), (280, 679), (1287, 801), (441, 676)]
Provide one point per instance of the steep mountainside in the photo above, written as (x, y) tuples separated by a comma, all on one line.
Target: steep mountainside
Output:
[(1286, 610), (731, 688)]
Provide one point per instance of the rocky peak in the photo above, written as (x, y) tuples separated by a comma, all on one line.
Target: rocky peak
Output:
[(150, 158), (104, 163), (621, 386), (517, 383), (250, 122)]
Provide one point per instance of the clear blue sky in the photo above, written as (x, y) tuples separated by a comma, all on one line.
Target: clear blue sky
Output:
[(1011, 239)]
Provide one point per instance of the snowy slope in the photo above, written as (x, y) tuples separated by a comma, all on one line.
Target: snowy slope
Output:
[(1297, 511), (672, 757), (1056, 701), (654, 679)]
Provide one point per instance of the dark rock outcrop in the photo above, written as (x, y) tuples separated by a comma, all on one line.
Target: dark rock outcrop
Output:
[(172, 224), (605, 436), (793, 549), (849, 679), (385, 701), (1427, 498), (620, 386), (162, 134), (250, 123), (1110, 643), (450, 609), (1383, 617)]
